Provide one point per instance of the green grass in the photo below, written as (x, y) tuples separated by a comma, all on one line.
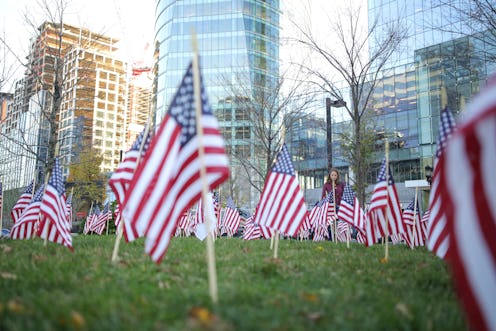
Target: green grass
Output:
[(312, 286)]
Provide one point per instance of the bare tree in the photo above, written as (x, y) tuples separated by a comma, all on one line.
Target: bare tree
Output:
[(353, 70), (266, 113)]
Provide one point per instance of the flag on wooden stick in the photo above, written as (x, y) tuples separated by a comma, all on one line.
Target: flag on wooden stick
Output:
[(55, 227), (282, 206), (350, 210), (437, 235), (384, 216), (167, 182), (467, 197), (415, 229), (121, 178), (231, 220)]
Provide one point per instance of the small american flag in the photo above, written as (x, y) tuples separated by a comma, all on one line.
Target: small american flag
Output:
[(251, 231), (22, 202), (467, 198), (117, 215), (350, 210), (69, 209), (121, 178), (231, 220), (98, 224), (184, 221), (55, 226), (282, 205), (90, 219), (167, 181), (25, 227), (321, 216), (384, 205), (415, 229), (437, 235)]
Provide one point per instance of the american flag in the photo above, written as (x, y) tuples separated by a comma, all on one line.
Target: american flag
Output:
[(216, 202), (69, 209), (342, 230), (93, 215), (384, 205), (230, 222), (184, 220), (437, 235), (467, 197), (282, 205), (350, 210), (167, 181), (416, 230), (99, 223), (305, 228), (425, 217), (252, 231), (25, 227), (55, 226), (121, 178), (117, 215), (321, 216), (22, 202)]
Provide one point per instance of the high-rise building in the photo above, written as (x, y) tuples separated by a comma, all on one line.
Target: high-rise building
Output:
[(238, 43), (78, 68), (93, 110)]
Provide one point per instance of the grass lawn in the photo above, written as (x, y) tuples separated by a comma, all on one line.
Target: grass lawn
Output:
[(312, 286)]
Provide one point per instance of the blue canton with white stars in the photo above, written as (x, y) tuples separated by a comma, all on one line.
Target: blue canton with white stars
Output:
[(382, 174), (139, 140), (230, 203), (283, 164), (56, 178), (182, 108), (411, 205), (39, 193), (348, 195), (446, 127), (29, 188), (329, 198)]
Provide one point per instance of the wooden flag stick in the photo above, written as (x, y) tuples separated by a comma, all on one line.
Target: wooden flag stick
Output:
[(276, 243), (334, 224), (348, 235), (120, 227), (386, 249), (415, 217), (45, 229), (89, 213), (212, 274)]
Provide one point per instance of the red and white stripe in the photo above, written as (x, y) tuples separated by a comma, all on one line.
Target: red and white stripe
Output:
[(468, 199)]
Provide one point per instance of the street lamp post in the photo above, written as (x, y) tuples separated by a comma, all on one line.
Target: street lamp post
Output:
[(329, 104)]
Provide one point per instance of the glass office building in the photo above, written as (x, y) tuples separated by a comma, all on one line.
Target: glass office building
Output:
[(238, 43), (443, 61)]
